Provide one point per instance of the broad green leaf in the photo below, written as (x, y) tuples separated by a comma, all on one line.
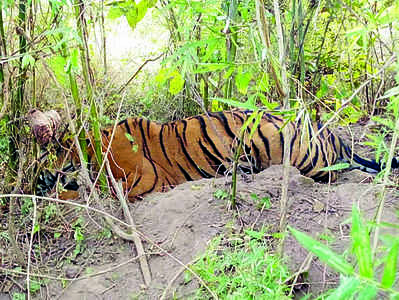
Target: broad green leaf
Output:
[(242, 81), (57, 65), (163, 75), (324, 253), (361, 244), (114, 13), (388, 277), (336, 167), (132, 17), (238, 104), (367, 292), (264, 82), (210, 67), (176, 84), (345, 290), (74, 59)]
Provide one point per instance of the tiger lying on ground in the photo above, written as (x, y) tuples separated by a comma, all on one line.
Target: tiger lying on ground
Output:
[(150, 157)]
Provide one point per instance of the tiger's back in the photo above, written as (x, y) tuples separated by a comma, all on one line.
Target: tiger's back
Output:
[(149, 157), (159, 156)]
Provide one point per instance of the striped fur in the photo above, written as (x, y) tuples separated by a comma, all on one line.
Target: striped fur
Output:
[(151, 157)]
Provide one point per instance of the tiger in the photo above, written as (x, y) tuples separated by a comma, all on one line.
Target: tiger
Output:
[(151, 157)]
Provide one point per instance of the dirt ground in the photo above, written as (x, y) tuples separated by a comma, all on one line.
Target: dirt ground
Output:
[(183, 220), (186, 218)]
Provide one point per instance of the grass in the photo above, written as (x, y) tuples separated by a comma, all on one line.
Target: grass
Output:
[(241, 267)]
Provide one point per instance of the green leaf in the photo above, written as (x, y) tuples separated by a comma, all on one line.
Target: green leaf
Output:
[(346, 289), (245, 105), (36, 228), (255, 234), (210, 67), (176, 84), (367, 292), (132, 17), (242, 81), (336, 167), (324, 253), (361, 244), (129, 137), (27, 60), (264, 83), (114, 13), (57, 64), (74, 59), (388, 277)]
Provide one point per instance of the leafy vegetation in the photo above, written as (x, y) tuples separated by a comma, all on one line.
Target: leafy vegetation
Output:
[(341, 63), (241, 267)]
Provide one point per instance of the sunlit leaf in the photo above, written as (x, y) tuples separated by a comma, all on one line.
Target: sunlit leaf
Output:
[(242, 80), (361, 244), (57, 65), (324, 253), (246, 105), (346, 289), (390, 269), (176, 84), (336, 167), (367, 292), (210, 67)]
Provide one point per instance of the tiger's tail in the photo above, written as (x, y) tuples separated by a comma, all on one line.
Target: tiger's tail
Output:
[(365, 165)]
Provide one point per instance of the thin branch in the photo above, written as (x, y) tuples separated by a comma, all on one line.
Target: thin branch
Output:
[(30, 246), (137, 72), (136, 239)]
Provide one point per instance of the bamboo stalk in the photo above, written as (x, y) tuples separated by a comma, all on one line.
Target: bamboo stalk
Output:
[(286, 131), (84, 57)]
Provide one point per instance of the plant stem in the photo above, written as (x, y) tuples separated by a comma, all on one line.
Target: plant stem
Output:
[(237, 154), (84, 56), (286, 131)]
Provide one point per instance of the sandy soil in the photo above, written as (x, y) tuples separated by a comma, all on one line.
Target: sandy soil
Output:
[(183, 220)]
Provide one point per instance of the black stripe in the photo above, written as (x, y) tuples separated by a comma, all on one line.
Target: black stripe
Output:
[(184, 122), (292, 144), (127, 127), (223, 120), (168, 181), (185, 174), (190, 160), (312, 164), (332, 138), (258, 163), (122, 122), (305, 158), (321, 176), (204, 132), (279, 130), (367, 163), (136, 182), (213, 161), (105, 132), (163, 145), (147, 155), (239, 117), (265, 143)]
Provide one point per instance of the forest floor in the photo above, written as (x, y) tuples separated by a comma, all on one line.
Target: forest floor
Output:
[(183, 220)]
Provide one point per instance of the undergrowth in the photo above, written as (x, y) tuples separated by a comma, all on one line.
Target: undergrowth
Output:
[(241, 267)]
